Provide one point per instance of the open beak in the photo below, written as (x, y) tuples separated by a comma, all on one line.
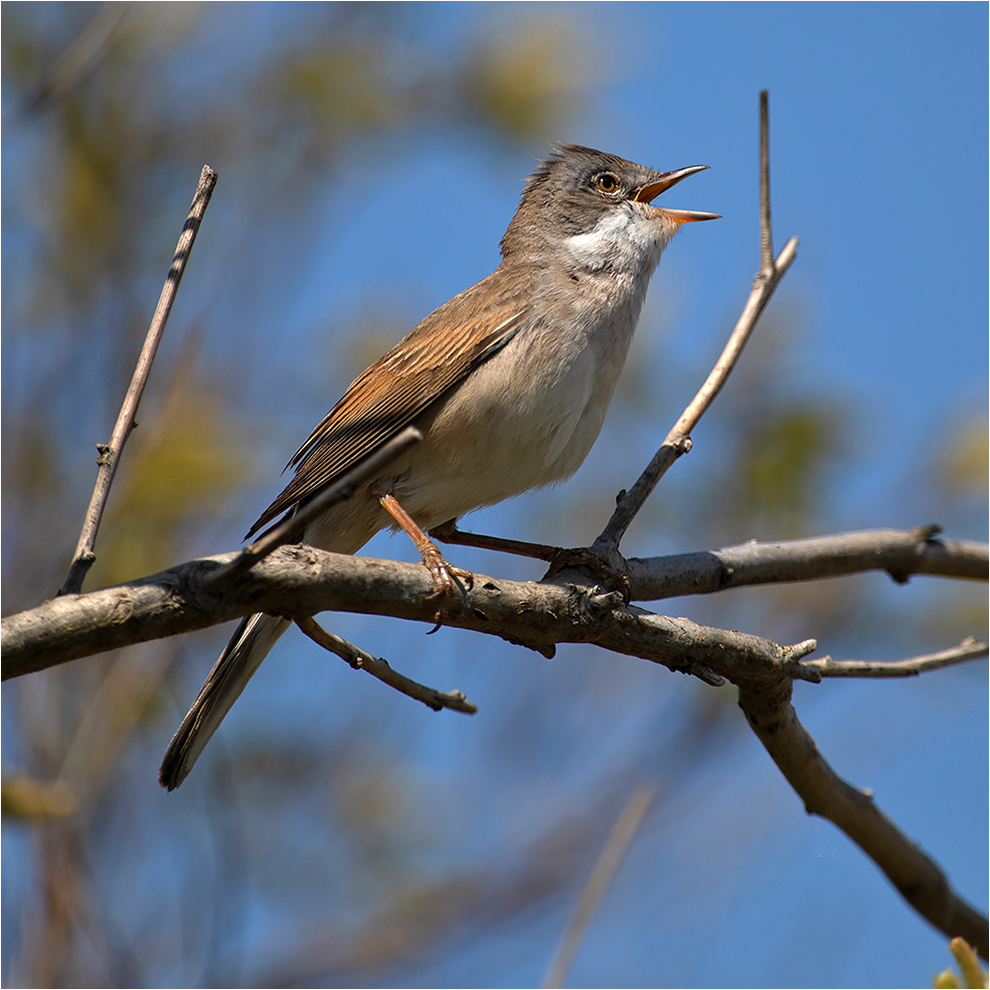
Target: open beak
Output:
[(650, 192)]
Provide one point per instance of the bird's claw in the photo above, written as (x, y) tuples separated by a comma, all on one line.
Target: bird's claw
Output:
[(445, 577)]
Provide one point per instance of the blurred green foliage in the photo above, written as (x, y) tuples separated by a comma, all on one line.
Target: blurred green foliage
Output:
[(779, 469), (964, 463), (525, 79)]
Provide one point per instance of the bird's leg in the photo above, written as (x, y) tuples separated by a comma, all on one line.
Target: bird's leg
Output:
[(609, 566), (443, 573)]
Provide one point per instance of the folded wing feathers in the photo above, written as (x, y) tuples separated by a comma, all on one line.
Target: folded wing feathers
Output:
[(357, 425)]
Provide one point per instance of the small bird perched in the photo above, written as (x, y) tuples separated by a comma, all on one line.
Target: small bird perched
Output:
[(509, 383)]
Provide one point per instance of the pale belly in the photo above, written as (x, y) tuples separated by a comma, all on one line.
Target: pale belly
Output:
[(525, 419)]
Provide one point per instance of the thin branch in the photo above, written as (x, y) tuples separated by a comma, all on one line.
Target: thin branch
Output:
[(341, 490), (678, 440), (109, 454), (359, 660), (766, 230), (626, 827), (968, 649), (450, 533), (918, 878)]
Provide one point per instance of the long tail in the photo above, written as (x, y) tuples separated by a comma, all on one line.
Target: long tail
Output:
[(255, 636)]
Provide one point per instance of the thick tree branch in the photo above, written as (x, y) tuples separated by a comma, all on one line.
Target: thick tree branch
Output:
[(109, 454), (303, 581), (299, 581), (921, 882), (899, 552)]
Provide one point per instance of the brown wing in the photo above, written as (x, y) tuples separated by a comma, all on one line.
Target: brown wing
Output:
[(441, 351)]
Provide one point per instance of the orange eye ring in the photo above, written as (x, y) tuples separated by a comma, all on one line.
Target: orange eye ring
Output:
[(607, 183)]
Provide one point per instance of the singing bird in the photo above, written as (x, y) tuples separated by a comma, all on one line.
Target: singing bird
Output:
[(509, 383)]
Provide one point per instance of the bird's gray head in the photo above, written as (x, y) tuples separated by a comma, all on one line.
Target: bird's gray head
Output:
[(580, 193)]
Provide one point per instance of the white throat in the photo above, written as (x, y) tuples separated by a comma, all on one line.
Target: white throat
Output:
[(625, 241)]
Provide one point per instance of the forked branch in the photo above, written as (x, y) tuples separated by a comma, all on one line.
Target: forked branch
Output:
[(678, 440), (301, 580)]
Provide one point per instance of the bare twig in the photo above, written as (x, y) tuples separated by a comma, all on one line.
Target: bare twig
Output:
[(450, 533), (766, 230), (918, 878), (678, 440), (109, 454), (612, 855), (359, 660), (339, 491), (968, 649)]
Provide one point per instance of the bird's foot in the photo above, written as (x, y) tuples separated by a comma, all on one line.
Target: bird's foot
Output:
[(445, 577)]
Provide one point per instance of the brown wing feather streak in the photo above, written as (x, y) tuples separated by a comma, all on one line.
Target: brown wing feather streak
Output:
[(395, 390)]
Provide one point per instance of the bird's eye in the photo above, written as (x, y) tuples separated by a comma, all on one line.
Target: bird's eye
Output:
[(606, 182)]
